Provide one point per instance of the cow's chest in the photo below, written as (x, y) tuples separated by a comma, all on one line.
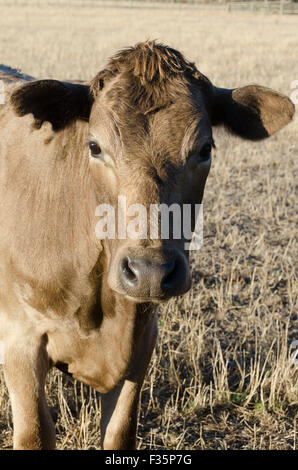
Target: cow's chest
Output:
[(103, 357), (99, 359), (98, 353)]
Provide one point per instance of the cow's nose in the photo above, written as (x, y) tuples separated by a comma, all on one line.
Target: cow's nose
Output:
[(146, 279)]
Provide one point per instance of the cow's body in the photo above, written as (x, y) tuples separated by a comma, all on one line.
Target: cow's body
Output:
[(62, 300)]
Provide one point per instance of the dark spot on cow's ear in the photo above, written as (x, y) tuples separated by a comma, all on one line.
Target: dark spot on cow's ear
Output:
[(252, 112), (50, 100)]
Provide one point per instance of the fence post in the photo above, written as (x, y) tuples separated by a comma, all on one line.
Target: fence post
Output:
[(281, 7)]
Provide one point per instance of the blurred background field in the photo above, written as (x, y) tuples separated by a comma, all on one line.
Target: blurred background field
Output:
[(223, 374)]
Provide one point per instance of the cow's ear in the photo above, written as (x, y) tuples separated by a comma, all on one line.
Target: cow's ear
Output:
[(252, 112), (50, 100)]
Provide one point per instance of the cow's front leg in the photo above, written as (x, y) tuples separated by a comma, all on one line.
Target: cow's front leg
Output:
[(25, 369), (119, 407), (119, 416)]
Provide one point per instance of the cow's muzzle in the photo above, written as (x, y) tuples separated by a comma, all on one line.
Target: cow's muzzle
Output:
[(146, 279)]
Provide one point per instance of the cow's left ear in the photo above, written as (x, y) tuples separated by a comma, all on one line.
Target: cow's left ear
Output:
[(252, 112), (50, 100)]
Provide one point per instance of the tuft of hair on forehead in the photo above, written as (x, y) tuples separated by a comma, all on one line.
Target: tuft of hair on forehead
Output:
[(147, 70)]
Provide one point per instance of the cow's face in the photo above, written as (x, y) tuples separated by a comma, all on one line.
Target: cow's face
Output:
[(150, 114), (157, 159)]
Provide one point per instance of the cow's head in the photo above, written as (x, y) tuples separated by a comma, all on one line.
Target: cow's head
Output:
[(150, 115)]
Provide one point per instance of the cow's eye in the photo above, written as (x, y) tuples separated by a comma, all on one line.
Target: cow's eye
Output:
[(94, 149), (206, 151)]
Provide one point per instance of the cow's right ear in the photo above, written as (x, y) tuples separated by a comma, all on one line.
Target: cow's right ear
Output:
[(50, 100)]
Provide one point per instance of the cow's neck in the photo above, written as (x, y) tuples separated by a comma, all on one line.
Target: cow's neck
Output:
[(48, 236)]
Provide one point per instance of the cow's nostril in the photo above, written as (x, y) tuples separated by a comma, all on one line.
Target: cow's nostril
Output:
[(127, 272), (171, 274)]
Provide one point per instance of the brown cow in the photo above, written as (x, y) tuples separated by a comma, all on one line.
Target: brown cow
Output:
[(140, 129)]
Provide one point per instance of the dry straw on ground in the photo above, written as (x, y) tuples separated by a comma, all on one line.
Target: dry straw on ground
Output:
[(221, 376)]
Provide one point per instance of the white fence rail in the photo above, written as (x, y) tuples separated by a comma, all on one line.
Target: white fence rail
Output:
[(155, 4), (270, 6), (114, 2), (264, 6)]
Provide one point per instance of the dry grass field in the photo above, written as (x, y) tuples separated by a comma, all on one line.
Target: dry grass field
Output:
[(221, 376)]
